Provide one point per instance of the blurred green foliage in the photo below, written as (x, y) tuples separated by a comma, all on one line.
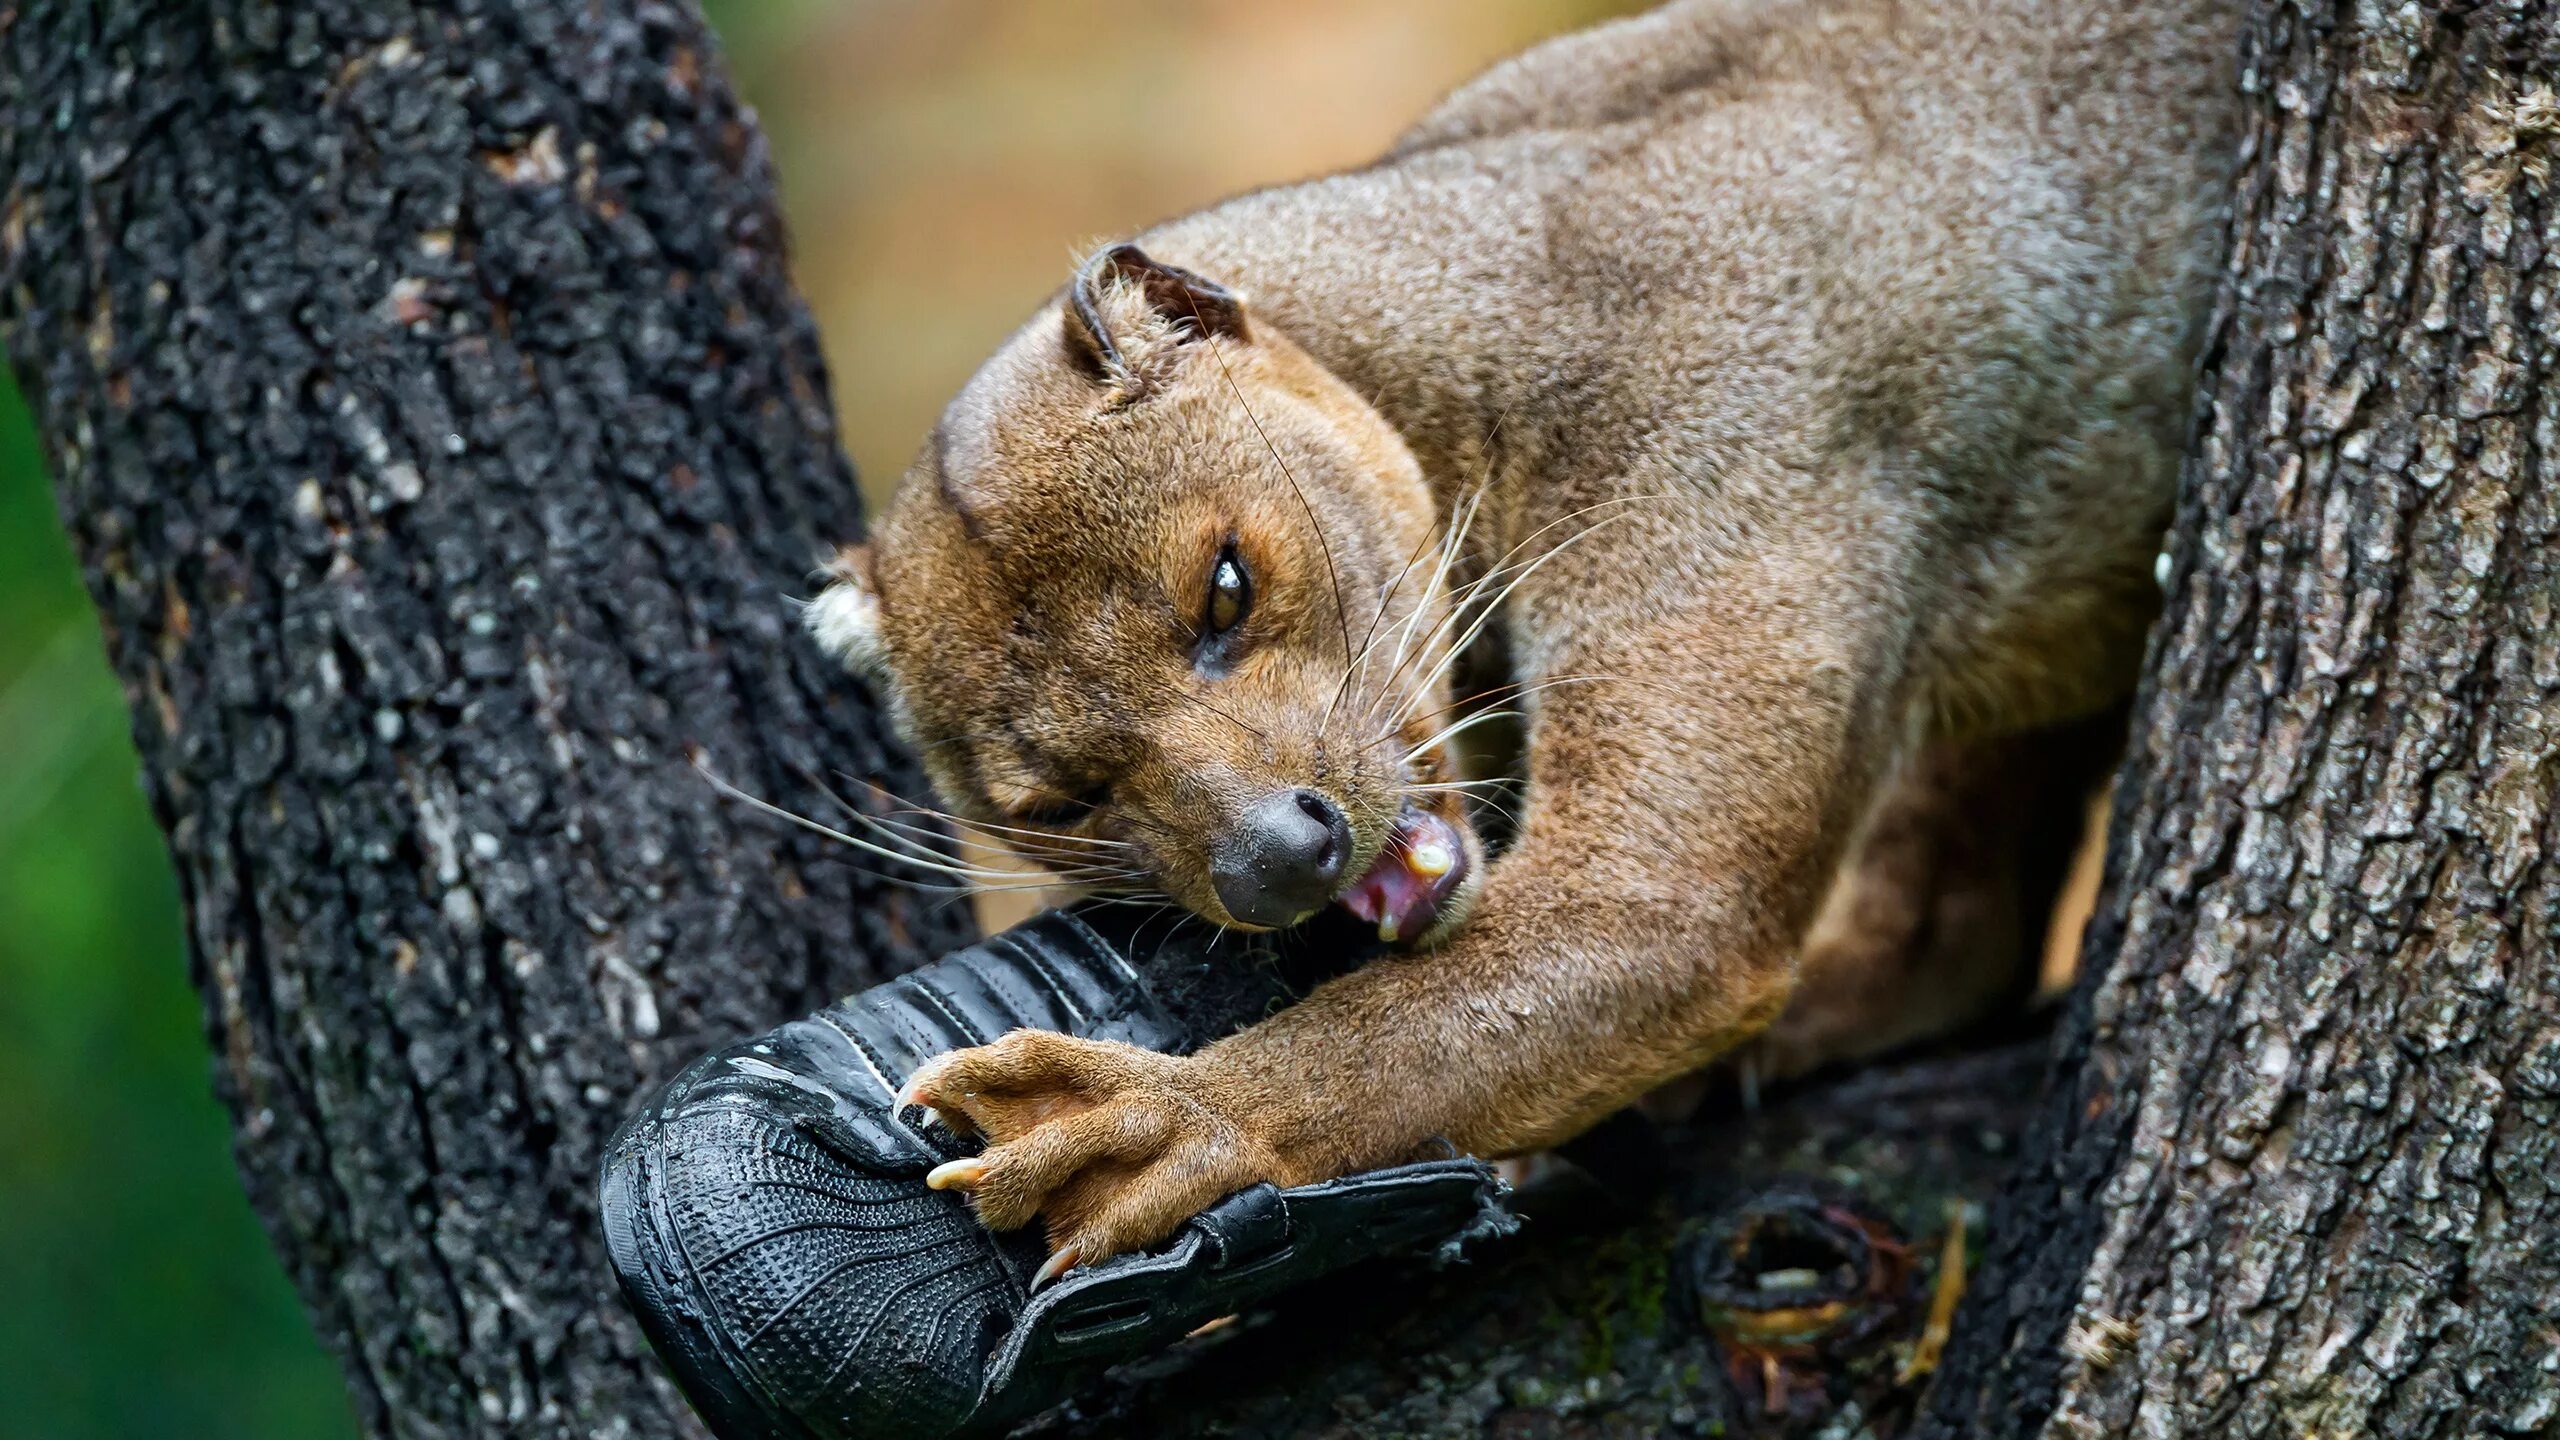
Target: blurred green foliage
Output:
[(142, 1297)]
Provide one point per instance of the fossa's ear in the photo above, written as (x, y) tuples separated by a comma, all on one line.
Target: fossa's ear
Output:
[(845, 617), (1182, 306)]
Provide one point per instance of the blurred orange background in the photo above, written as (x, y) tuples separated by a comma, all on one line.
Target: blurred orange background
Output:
[(944, 162)]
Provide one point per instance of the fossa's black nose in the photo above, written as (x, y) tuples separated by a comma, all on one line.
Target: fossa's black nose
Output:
[(1281, 859)]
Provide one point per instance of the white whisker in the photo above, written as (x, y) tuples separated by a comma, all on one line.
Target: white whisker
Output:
[(1510, 692), (1369, 642), (916, 807), (1451, 732), (1487, 607), (936, 864)]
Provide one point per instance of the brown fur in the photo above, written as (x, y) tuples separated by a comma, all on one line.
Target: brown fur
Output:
[(1862, 330)]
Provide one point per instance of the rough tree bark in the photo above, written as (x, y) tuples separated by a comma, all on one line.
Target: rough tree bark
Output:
[(439, 431), (2297, 1175)]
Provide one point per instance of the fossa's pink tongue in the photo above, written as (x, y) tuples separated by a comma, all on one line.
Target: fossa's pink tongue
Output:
[(1423, 863)]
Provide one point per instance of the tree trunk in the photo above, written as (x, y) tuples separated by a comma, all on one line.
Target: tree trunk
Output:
[(439, 430), (2296, 1177)]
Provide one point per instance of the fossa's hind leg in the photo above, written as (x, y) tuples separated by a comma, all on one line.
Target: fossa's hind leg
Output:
[(1937, 919)]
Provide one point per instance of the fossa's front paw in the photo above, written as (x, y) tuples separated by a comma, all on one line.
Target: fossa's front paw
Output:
[(1113, 1146)]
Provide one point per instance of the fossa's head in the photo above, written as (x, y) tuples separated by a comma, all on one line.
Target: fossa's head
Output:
[(1163, 605)]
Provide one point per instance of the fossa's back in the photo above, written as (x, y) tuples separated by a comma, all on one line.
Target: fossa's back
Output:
[(1954, 252)]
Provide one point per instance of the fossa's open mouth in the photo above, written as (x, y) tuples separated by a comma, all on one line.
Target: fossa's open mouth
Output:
[(1423, 865)]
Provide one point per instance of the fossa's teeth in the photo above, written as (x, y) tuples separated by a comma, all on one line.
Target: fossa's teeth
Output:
[(1387, 930), (1431, 859)]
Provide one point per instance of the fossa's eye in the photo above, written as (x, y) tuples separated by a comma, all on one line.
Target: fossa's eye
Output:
[(1230, 594)]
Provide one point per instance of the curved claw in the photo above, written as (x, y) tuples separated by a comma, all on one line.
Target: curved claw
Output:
[(956, 1174), (1056, 1265)]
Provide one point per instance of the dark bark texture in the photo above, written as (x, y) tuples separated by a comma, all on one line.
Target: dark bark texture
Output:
[(441, 435), (2296, 1178)]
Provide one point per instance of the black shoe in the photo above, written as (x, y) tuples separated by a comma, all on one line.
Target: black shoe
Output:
[(768, 1217)]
